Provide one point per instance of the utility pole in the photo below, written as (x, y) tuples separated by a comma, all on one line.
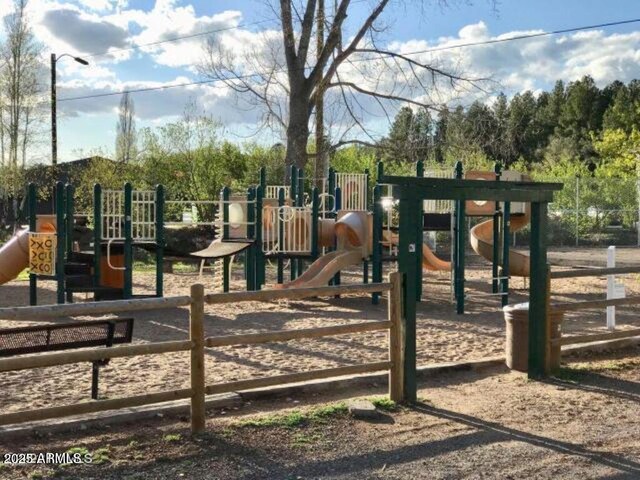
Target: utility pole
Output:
[(54, 127)]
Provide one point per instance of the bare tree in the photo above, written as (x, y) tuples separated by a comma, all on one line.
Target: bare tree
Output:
[(19, 88), (126, 130), (285, 77), (20, 70)]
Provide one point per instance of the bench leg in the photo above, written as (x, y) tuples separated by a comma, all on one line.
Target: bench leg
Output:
[(95, 371)]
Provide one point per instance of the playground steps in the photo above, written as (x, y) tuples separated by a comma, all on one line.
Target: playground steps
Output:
[(79, 278)]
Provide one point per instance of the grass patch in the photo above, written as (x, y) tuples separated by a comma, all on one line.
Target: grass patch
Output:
[(101, 455), (384, 404), (23, 276), (172, 437), (304, 439), (297, 418)]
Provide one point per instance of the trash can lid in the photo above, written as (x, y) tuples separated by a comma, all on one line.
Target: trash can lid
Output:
[(518, 306)]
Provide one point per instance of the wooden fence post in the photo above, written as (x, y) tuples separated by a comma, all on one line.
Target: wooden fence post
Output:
[(196, 331), (396, 339)]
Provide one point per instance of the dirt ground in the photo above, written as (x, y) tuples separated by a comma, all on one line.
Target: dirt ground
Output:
[(583, 424), (442, 335)]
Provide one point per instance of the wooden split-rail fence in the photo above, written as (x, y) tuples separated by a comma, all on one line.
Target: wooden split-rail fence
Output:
[(591, 304), (197, 343)]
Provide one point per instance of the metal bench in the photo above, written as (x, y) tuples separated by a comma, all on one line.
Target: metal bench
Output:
[(65, 336)]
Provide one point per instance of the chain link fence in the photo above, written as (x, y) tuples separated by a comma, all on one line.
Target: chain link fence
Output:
[(592, 212)]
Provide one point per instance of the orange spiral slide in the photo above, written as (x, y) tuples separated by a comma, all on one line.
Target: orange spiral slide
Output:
[(482, 243), (430, 261)]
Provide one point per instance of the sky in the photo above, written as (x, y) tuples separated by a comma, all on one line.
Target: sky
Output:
[(89, 28)]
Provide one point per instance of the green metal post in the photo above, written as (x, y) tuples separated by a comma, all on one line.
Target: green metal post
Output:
[(160, 241), (419, 235), (61, 236), (259, 255), (338, 196), (226, 262), (249, 257), (506, 224), (69, 207), (331, 189), (69, 224), (315, 218), (376, 254), (281, 201), (128, 241), (407, 265), (495, 260), (538, 292), (31, 206), (365, 263), (263, 179), (380, 171), (294, 202), (299, 203), (459, 246), (300, 189), (97, 233)]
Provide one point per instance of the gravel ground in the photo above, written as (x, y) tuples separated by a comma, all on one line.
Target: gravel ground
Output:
[(584, 424)]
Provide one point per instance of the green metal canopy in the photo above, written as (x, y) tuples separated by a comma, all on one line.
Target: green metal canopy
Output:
[(412, 191)]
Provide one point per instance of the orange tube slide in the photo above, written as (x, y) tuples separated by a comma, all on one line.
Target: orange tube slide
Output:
[(14, 255), (482, 243), (430, 260)]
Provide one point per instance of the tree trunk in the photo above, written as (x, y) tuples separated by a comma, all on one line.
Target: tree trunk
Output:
[(297, 131)]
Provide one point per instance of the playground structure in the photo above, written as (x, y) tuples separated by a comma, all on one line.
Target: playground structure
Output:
[(328, 229), (349, 231)]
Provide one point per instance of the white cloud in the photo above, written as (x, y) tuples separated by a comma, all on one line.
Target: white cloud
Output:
[(82, 32), (91, 26)]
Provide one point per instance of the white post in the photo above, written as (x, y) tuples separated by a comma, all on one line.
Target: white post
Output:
[(611, 281)]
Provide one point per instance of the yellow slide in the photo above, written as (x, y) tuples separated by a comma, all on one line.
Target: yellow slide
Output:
[(14, 256), (482, 243)]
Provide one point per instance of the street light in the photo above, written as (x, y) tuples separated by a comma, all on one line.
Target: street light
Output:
[(54, 128)]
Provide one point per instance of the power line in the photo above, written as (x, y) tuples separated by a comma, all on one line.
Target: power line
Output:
[(417, 52), (174, 39), (184, 37)]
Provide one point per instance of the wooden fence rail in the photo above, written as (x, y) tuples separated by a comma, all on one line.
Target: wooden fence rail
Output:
[(585, 305), (92, 308), (36, 360), (197, 343), (596, 337), (593, 272), (573, 306)]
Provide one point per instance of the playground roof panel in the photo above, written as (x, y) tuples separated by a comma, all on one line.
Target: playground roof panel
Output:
[(427, 188)]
